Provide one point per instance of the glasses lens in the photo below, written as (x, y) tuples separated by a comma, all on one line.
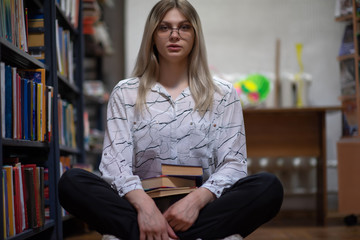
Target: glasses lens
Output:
[(184, 31)]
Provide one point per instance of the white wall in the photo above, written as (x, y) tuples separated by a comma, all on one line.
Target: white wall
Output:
[(241, 35)]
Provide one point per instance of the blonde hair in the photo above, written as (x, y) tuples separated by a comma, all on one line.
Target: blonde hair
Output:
[(146, 68)]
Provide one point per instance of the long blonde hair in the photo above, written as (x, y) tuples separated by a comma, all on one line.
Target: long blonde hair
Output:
[(146, 68)]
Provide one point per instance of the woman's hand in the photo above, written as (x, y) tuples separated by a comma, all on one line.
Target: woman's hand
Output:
[(182, 214), (152, 224)]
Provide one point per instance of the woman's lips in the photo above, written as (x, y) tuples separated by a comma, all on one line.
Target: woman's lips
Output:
[(174, 47)]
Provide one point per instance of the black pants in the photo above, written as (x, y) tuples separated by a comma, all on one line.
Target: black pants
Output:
[(249, 203)]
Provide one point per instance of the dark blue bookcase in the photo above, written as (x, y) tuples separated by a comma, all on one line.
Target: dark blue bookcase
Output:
[(48, 153)]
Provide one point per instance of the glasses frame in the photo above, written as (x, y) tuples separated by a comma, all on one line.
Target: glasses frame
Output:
[(171, 30)]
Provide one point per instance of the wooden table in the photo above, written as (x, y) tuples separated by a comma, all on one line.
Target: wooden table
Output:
[(291, 132)]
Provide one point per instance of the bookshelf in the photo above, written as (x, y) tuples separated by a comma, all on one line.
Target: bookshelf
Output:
[(67, 87), (348, 146), (98, 46)]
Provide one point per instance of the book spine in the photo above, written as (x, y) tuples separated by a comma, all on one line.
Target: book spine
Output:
[(2, 93), (8, 102)]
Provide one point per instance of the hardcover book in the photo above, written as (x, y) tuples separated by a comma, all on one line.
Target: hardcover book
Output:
[(167, 181), (181, 170)]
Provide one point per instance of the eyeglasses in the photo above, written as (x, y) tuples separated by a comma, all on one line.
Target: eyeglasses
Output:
[(184, 31)]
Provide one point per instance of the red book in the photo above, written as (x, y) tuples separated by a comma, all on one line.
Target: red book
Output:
[(36, 193), (17, 201), (25, 196)]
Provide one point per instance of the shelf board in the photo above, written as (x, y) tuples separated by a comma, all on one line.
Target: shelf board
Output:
[(345, 98), (346, 57), (66, 149), (67, 217), (94, 100), (344, 18), (16, 57), (350, 140), (24, 143), (94, 152), (32, 232), (66, 88)]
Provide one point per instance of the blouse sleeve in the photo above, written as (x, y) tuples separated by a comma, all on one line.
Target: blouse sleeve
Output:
[(231, 164), (117, 155)]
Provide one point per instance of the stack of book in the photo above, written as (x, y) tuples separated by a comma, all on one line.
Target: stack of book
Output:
[(23, 196), (174, 180)]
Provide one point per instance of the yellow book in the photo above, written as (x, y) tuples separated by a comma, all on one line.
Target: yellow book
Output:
[(38, 76), (36, 39), (4, 203), (10, 195)]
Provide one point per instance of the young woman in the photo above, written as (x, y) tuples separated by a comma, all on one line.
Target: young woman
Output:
[(172, 111)]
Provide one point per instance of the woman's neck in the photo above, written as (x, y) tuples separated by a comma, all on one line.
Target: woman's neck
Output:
[(174, 77)]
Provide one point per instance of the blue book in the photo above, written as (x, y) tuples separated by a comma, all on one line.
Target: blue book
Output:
[(8, 102), (33, 110), (22, 107), (29, 83)]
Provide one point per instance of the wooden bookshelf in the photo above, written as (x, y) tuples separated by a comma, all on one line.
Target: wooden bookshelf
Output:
[(47, 153), (349, 145)]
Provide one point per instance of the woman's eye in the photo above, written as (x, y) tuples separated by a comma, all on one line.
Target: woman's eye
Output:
[(185, 27), (163, 28)]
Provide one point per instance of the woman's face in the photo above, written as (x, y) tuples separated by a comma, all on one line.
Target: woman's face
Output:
[(174, 37)]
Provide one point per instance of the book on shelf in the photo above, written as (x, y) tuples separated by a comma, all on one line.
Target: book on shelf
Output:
[(2, 96), (25, 196), (18, 200), (36, 36), (27, 184), (2, 20), (347, 77), (70, 9), (36, 109), (30, 193), (58, 44), (36, 188), (38, 53), (49, 108), (6, 223), (7, 17), (8, 102), (347, 44), (350, 118), (66, 120), (64, 52), (343, 7), (10, 199), (25, 104), (13, 27), (15, 103), (46, 194)]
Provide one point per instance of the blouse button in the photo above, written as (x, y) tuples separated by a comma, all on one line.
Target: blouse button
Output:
[(191, 123), (215, 125), (134, 122)]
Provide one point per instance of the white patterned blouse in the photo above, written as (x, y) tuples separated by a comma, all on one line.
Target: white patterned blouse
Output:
[(170, 131)]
